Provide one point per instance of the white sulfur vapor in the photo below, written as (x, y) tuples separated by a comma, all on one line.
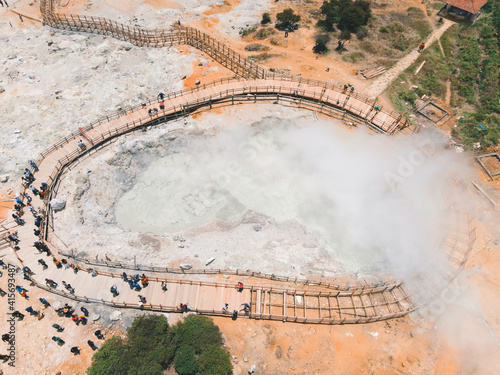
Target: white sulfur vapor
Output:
[(374, 202)]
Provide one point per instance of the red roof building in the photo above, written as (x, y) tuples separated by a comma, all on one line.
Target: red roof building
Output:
[(471, 6)]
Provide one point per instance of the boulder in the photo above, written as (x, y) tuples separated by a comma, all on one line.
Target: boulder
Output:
[(116, 315), (4, 178), (186, 266), (58, 204)]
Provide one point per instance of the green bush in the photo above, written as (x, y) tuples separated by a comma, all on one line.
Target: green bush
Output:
[(264, 33), (478, 127), (362, 33), (193, 346), (408, 96), (345, 35), (383, 29), (266, 18), (321, 44), (248, 31), (185, 360), (401, 42), (287, 18)]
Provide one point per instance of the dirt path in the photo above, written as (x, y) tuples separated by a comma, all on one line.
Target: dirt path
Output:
[(379, 85)]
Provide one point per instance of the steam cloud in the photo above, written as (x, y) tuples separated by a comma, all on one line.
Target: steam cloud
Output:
[(376, 202)]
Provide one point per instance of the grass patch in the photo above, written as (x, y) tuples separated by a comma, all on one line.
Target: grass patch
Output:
[(263, 56), (353, 57), (264, 33), (248, 31), (418, 22)]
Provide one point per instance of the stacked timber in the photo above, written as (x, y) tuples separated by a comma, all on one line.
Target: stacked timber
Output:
[(371, 73)]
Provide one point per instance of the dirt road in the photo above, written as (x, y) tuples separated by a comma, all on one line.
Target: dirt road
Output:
[(380, 84)]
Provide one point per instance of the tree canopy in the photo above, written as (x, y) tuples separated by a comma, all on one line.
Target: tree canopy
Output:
[(346, 14), (287, 18), (192, 346)]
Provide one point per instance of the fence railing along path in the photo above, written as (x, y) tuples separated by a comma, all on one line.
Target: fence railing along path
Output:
[(279, 300), (224, 55), (309, 303)]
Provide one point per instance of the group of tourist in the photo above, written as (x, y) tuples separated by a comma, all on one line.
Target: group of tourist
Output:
[(133, 281)]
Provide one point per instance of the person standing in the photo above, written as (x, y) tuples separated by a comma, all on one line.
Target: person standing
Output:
[(92, 345), (1, 3), (75, 350)]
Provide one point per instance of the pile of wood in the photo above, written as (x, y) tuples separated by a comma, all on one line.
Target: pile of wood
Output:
[(370, 73)]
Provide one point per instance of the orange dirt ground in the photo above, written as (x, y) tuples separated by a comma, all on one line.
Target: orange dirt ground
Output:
[(399, 346)]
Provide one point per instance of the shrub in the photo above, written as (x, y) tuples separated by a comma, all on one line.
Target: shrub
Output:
[(287, 18), (401, 42), (266, 18), (383, 29), (345, 35), (264, 33), (321, 44), (256, 47), (362, 33), (185, 360), (408, 96), (248, 31)]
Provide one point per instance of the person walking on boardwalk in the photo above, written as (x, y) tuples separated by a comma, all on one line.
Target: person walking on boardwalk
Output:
[(51, 283), (114, 291), (239, 286), (84, 311), (164, 286), (44, 302), (43, 264), (1, 3), (246, 308), (57, 262), (20, 202), (33, 165), (421, 47), (99, 334), (225, 308)]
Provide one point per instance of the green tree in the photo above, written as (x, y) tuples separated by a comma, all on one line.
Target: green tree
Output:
[(266, 18), (110, 359), (321, 44), (287, 18), (346, 14), (193, 346)]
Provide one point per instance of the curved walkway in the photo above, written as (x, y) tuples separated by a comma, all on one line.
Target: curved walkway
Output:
[(274, 299)]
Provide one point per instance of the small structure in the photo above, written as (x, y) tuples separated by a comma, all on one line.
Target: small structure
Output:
[(433, 112), (490, 163), (462, 11)]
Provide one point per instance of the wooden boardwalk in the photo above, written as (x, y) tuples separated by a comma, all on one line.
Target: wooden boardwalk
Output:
[(270, 297), (276, 299)]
